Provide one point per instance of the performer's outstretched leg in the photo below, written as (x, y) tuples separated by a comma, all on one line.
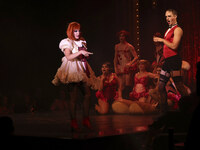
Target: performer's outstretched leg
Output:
[(164, 78), (180, 86)]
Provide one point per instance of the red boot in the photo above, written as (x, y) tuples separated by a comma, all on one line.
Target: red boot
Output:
[(74, 125), (86, 123)]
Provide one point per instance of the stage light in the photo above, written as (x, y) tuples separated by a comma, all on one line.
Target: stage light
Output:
[(137, 15)]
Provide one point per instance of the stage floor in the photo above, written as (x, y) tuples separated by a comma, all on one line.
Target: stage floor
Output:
[(52, 129), (57, 125)]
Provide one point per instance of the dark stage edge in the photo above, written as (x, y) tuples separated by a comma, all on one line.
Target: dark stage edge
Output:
[(52, 130)]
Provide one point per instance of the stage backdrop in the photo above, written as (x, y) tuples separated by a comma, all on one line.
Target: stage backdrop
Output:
[(31, 31)]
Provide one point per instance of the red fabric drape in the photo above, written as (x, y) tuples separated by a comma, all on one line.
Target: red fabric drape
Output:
[(191, 39)]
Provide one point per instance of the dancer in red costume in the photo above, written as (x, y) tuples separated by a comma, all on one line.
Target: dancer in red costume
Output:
[(109, 89), (75, 73), (141, 82), (173, 61), (173, 96), (140, 102)]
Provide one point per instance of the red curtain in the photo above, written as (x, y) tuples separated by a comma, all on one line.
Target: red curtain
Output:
[(191, 39)]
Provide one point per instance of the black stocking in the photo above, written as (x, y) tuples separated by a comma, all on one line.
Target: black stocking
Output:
[(86, 101), (73, 98)]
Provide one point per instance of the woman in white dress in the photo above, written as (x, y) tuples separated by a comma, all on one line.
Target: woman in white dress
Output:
[(75, 72)]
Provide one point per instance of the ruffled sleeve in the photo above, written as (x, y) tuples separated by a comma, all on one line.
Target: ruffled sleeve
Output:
[(66, 43)]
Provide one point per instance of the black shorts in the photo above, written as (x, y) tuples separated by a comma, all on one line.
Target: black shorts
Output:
[(172, 63)]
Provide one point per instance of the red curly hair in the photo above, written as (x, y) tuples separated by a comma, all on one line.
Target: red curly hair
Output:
[(70, 30)]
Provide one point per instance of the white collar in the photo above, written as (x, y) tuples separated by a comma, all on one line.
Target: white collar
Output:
[(170, 29), (173, 25)]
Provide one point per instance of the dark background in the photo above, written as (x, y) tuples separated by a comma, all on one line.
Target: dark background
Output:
[(31, 32)]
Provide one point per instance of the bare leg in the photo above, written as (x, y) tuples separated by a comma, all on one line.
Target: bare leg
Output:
[(142, 99), (120, 107), (181, 88), (102, 107), (135, 108), (122, 81)]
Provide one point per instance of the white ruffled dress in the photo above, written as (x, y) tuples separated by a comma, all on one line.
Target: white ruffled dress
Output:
[(73, 71)]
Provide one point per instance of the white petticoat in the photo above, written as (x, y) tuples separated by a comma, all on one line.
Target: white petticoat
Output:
[(73, 72)]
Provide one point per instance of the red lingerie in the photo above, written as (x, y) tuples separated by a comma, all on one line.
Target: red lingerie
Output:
[(109, 92), (144, 81)]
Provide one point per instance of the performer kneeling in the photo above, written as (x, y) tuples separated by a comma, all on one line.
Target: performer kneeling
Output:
[(109, 89)]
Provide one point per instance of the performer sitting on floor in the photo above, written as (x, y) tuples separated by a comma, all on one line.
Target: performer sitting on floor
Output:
[(140, 100), (141, 82), (173, 95), (109, 89)]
